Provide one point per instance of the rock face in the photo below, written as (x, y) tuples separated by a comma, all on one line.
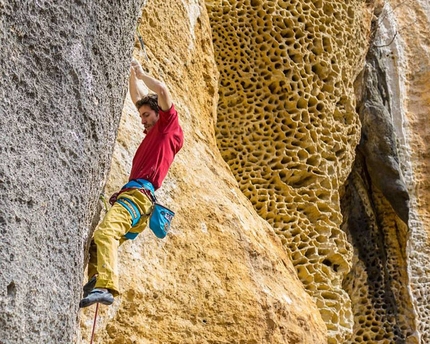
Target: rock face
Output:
[(221, 275), (403, 45), (301, 193), (288, 128), (375, 206), (63, 79)]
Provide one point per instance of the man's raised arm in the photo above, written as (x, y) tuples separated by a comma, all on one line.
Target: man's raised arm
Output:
[(136, 74), (137, 91)]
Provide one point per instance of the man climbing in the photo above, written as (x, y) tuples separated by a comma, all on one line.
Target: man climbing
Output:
[(164, 138)]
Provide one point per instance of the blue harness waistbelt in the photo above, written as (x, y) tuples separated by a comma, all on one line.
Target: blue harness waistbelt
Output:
[(131, 208), (139, 184)]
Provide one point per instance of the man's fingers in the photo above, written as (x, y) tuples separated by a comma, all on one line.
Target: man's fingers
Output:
[(137, 67), (135, 63)]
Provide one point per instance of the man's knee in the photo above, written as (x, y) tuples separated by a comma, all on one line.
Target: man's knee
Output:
[(100, 234), (108, 233)]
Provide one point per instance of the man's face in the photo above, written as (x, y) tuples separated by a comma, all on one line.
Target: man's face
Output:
[(148, 117)]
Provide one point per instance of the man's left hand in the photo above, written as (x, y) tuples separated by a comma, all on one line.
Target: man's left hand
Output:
[(113, 198)]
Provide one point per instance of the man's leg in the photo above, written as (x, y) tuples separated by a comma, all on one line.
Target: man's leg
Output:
[(92, 262), (104, 255), (107, 238)]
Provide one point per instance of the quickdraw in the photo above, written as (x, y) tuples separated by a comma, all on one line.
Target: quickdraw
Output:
[(139, 36)]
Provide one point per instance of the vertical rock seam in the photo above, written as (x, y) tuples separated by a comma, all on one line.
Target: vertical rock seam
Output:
[(375, 209), (389, 280)]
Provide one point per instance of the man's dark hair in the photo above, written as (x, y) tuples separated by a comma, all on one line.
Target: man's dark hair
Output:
[(151, 100)]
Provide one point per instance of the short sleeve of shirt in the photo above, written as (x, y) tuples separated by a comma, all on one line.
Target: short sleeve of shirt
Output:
[(167, 119)]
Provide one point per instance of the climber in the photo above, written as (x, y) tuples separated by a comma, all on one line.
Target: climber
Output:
[(163, 139)]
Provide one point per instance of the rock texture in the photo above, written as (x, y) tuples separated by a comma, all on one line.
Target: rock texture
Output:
[(288, 128), (375, 206), (386, 199), (301, 193), (63, 79), (221, 275), (404, 47)]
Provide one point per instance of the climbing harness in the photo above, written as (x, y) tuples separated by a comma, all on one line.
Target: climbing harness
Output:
[(132, 209), (160, 217)]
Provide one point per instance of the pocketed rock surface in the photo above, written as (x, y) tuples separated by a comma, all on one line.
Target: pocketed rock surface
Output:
[(288, 128)]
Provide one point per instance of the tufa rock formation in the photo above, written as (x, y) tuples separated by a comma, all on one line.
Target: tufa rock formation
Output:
[(403, 45), (388, 282), (375, 209)]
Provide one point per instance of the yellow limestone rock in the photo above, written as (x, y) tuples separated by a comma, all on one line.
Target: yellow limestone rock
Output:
[(288, 128), (221, 275)]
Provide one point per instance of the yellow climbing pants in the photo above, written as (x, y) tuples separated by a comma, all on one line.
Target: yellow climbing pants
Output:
[(109, 236)]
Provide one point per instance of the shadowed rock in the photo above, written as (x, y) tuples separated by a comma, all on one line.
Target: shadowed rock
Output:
[(378, 140)]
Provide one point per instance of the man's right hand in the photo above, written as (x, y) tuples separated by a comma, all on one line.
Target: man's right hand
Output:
[(137, 68)]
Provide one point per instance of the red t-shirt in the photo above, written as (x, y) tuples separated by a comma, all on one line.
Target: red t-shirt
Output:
[(157, 150)]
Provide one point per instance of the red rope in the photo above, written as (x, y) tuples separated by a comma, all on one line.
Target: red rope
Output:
[(94, 324)]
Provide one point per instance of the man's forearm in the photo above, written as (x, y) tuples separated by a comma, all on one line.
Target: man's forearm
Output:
[(153, 84), (164, 100), (135, 87)]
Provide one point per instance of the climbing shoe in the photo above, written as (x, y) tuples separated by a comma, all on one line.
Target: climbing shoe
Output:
[(89, 286), (97, 296)]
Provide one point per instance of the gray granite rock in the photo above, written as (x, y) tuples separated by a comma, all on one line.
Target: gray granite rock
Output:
[(64, 68)]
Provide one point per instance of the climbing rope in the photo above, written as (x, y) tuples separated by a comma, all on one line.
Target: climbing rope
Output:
[(94, 324)]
